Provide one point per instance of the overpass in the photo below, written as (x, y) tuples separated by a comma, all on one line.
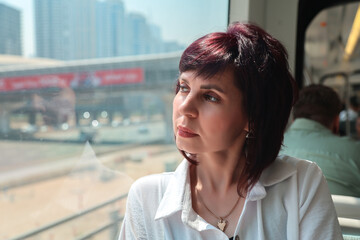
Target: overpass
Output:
[(122, 85)]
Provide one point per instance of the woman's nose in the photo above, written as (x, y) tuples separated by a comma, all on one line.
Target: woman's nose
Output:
[(189, 107)]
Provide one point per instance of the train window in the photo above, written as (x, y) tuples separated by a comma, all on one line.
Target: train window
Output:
[(86, 93), (331, 57), (332, 53)]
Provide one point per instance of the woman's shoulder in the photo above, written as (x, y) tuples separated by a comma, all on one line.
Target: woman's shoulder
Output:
[(286, 166), (288, 175), (307, 173), (151, 184), (155, 185), (297, 163)]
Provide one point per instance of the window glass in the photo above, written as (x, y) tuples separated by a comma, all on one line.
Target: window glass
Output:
[(86, 92), (332, 57)]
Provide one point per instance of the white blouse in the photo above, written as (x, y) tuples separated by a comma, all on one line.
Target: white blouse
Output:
[(291, 201)]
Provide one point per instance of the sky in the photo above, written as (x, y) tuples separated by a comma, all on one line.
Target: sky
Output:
[(180, 20)]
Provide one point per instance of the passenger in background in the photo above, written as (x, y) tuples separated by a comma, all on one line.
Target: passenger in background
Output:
[(353, 110), (233, 99), (350, 115), (313, 136)]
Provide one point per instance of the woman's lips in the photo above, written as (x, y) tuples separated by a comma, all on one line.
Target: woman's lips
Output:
[(185, 132)]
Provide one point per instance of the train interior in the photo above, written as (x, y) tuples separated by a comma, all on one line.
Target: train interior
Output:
[(79, 124)]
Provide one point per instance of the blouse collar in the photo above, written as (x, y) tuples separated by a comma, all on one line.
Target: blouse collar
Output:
[(177, 196)]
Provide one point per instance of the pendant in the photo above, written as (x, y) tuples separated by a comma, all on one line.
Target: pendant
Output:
[(222, 224)]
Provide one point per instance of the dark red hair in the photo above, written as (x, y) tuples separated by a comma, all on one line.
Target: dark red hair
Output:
[(262, 74)]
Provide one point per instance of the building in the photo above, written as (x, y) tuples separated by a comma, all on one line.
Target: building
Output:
[(110, 25), (10, 37), (65, 29), (85, 29)]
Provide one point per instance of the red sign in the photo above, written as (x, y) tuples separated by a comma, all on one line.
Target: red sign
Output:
[(73, 80)]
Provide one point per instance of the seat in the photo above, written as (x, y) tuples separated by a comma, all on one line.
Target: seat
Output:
[(348, 211)]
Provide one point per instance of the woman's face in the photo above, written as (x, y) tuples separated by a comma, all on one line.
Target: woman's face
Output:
[(208, 114)]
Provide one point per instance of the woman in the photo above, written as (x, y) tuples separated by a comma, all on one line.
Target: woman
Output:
[(233, 99)]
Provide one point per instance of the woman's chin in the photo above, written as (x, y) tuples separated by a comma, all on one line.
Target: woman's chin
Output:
[(185, 147), (191, 156), (188, 150)]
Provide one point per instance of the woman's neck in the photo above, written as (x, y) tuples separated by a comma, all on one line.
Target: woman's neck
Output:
[(217, 173), (214, 191)]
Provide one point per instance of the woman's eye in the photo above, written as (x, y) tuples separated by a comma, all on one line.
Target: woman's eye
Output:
[(211, 98), (183, 88)]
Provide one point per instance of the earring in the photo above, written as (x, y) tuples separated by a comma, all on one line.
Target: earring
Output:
[(249, 135)]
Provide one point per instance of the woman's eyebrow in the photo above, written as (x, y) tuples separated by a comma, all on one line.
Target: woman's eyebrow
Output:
[(184, 80), (206, 86), (212, 86)]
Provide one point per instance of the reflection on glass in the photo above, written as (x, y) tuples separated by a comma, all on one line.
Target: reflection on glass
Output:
[(85, 92)]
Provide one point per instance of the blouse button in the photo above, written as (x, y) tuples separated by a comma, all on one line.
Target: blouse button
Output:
[(237, 237)]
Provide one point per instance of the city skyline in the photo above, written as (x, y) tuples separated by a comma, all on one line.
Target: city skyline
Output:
[(175, 19), (10, 36)]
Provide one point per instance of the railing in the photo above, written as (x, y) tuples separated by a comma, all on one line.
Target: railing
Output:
[(114, 216)]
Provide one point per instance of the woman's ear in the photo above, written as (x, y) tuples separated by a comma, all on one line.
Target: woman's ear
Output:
[(247, 127)]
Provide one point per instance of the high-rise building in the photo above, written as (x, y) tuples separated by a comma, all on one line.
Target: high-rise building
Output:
[(136, 34), (110, 28), (141, 36), (10, 37), (82, 29), (65, 29)]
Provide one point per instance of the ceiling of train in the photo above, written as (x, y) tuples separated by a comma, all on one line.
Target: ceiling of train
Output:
[(326, 40)]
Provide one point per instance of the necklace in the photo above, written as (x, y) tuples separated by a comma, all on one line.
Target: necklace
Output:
[(222, 222)]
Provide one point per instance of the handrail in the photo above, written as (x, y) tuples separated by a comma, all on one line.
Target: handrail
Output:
[(98, 230), (66, 219), (307, 76), (329, 75)]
